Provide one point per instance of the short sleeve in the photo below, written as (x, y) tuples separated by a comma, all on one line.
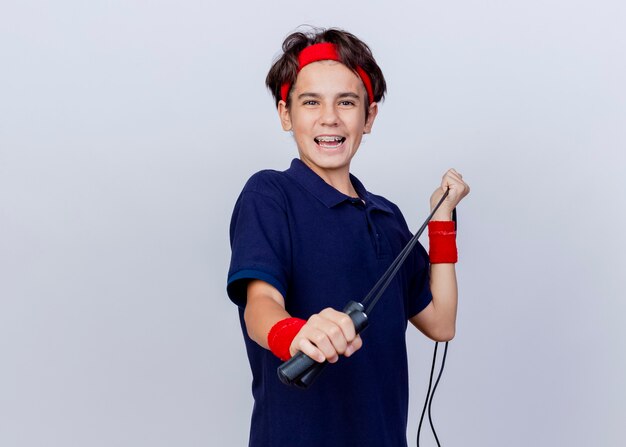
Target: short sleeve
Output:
[(260, 243)]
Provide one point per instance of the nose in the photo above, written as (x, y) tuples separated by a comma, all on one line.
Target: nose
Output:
[(329, 115)]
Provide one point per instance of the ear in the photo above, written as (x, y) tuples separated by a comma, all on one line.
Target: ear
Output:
[(283, 114), (371, 116)]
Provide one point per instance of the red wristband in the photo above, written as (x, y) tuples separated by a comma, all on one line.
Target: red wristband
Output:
[(442, 242), (282, 334)]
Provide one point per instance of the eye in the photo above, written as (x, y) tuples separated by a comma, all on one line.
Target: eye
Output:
[(346, 103), (310, 102)]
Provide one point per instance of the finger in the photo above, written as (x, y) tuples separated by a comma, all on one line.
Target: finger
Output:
[(454, 171), (459, 187), (319, 339), (326, 344), (354, 346), (306, 347), (342, 320), (452, 177), (334, 336), (456, 184), (457, 192)]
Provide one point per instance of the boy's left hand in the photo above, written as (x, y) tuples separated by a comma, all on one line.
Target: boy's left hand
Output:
[(458, 189)]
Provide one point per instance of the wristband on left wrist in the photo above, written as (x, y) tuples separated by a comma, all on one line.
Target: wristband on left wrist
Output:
[(442, 242)]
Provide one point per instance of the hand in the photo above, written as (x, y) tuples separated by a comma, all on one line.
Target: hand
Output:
[(327, 335), (458, 189)]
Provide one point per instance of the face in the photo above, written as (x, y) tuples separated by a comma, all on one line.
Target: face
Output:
[(327, 116)]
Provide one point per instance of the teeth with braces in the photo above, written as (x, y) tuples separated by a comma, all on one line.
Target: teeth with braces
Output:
[(329, 139)]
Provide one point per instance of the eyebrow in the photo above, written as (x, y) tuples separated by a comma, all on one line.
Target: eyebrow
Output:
[(317, 95)]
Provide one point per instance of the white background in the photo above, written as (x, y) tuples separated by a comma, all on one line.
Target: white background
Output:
[(128, 128)]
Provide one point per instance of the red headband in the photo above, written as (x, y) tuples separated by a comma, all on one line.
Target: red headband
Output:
[(325, 51)]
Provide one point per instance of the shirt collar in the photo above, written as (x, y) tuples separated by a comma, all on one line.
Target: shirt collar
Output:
[(328, 195)]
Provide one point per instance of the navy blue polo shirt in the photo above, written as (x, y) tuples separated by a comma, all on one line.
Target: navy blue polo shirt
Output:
[(321, 248)]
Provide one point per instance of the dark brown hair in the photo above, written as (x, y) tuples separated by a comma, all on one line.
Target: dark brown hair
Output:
[(352, 51)]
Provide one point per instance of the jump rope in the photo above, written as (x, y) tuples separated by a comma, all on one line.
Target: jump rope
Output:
[(301, 370)]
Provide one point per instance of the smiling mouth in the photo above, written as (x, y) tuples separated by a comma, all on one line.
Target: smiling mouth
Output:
[(330, 141)]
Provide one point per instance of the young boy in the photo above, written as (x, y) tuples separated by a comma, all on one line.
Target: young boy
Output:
[(307, 240)]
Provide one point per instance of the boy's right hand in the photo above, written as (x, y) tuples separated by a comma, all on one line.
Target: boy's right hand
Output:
[(327, 335)]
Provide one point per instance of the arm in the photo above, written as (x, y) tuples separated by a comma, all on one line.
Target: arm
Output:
[(438, 320), (325, 336)]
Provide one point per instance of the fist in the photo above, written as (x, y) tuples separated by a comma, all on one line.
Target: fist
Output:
[(458, 189), (326, 336)]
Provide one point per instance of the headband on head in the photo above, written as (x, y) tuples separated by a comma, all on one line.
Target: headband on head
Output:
[(325, 51)]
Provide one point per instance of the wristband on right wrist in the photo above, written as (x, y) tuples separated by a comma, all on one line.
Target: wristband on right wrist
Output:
[(442, 242), (282, 334)]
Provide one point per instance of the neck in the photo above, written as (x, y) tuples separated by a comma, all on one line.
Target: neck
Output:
[(337, 178)]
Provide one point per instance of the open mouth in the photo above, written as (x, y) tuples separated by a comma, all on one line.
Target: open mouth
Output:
[(329, 142)]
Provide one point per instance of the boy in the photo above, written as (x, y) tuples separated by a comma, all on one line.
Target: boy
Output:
[(308, 240)]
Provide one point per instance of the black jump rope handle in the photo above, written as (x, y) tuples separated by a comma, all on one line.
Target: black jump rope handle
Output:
[(301, 370)]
